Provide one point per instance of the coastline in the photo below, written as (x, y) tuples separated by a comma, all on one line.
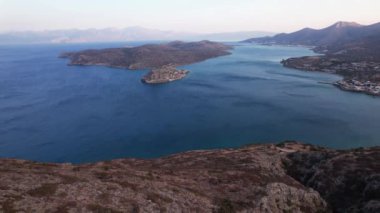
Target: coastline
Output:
[(357, 76), (358, 87)]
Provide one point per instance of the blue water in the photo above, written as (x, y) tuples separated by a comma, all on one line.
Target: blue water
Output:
[(58, 113)]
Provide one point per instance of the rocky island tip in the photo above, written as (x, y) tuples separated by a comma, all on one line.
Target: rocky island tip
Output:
[(161, 58)]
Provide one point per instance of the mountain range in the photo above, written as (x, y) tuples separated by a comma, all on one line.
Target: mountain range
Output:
[(341, 38), (115, 35), (336, 33)]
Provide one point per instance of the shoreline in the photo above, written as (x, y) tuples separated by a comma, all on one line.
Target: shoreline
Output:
[(346, 84), (358, 88), (356, 76)]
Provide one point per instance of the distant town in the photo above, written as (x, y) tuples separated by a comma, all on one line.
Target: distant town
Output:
[(360, 76), (165, 74), (347, 49)]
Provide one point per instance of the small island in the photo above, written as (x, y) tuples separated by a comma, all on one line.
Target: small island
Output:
[(165, 74), (161, 59)]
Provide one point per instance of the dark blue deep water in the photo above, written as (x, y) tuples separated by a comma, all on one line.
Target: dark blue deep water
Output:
[(53, 112)]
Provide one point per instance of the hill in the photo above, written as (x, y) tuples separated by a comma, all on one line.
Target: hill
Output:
[(336, 33), (342, 36)]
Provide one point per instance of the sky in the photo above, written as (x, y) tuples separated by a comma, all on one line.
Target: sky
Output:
[(202, 16)]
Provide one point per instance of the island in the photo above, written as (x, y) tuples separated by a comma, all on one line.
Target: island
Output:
[(161, 59), (165, 74), (344, 48), (284, 177)]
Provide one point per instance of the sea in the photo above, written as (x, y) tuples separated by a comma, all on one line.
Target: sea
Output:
[(52, 112)]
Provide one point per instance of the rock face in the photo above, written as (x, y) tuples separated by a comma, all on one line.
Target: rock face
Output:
[(348, 180), (150, 56), (258, 178)]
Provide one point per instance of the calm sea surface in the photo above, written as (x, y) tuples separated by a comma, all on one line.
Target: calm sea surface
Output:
[(53, 112)]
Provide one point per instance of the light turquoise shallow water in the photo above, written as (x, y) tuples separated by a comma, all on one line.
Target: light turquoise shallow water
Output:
[(53, 112)]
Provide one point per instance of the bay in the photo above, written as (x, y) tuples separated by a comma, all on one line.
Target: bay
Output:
[(52, 112)]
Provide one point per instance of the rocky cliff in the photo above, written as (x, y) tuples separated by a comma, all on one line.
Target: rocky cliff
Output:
[(287, 177)]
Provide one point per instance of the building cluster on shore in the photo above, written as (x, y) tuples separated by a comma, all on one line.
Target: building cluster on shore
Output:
[(337, 66), (359, 76), (164, 74), (358, 86), (331, 65)]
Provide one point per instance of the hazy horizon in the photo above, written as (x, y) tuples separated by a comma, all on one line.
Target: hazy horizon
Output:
[(196, 16)]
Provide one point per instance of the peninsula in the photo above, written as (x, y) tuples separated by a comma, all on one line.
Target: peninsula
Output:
[(162, 59), (346, 48), (285, 177)]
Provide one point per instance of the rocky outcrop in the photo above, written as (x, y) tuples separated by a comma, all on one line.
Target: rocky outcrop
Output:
[(289, 177), (349, 180)]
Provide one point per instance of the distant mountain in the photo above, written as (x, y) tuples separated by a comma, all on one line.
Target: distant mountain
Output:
[(232, 36), (337, 33), (89, 35), (345, 39), (348, 49), (114, 35)]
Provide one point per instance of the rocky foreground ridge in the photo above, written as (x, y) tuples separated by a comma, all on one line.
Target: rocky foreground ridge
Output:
[(287, 177)]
